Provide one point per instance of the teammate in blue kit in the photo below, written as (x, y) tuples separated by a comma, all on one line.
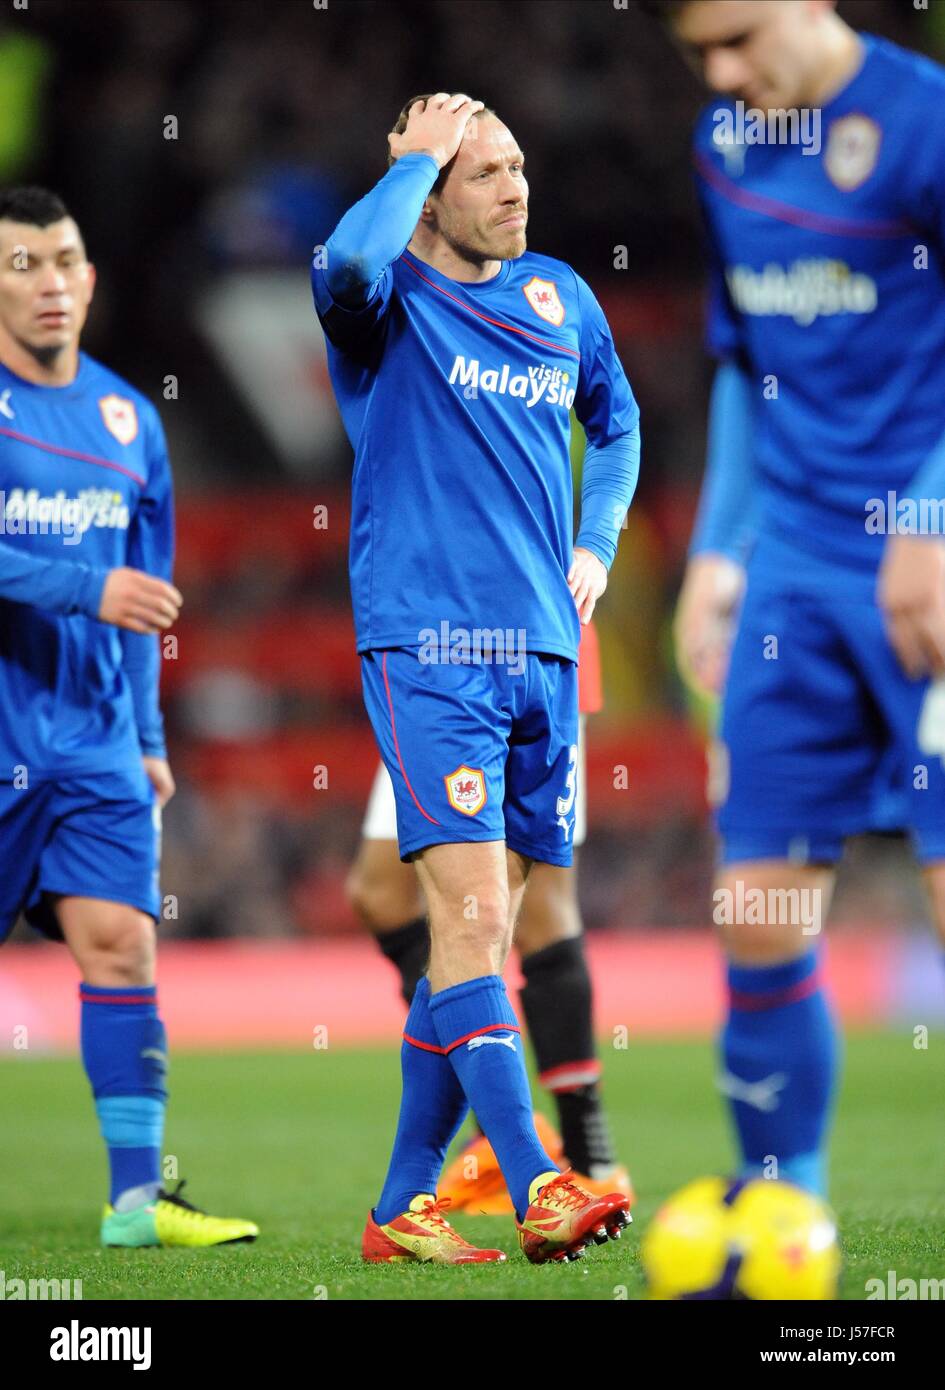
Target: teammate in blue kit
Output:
[(826, 230), (456, 357), (86, 540)]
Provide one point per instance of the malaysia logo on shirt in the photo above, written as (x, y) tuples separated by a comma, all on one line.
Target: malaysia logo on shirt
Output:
[(542, 295), (120, 417), (466, 789)]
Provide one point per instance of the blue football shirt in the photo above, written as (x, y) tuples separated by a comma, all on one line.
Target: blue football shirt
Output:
[(456, 398), (828, 284), (85, 487)]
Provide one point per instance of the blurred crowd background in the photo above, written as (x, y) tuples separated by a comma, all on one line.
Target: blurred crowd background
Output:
[(205, 147)]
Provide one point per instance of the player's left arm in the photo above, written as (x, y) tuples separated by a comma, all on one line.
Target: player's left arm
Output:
[(151, 549), (605, 406), (911, 587)]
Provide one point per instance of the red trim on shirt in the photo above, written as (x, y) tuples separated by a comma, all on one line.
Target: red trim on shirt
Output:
[(72, 454), (509, 327), (797, 217)]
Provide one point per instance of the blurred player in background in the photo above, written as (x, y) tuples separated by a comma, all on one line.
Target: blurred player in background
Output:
[(86, 542), (826, 449), (456, 362), (557, 998)]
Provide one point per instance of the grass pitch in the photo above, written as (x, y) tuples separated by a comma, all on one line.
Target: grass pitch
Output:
[(299, 1143)]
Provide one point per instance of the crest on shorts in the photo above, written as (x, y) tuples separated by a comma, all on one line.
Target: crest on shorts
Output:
[(120, 416), (466, 789), (542, 295), (852, 151)]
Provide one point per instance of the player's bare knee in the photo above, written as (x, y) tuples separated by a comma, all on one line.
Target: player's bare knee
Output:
[(381, 903), (128, 940)]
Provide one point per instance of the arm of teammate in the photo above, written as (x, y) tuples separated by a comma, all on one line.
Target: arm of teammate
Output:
[(350, 283), (151, 549), (724, 528), (123, 597), (911, 587), (60, 586), (605, 406), (725, 521)]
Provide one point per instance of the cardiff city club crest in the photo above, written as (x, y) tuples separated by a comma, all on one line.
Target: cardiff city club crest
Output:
[(120, 416), (466, 789), (542, 295), (852, 151)]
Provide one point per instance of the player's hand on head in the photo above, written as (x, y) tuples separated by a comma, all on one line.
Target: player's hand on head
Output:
[(435, 127), (911, 593), (161, 778), (587, 580), (705, 619), (139, 602)]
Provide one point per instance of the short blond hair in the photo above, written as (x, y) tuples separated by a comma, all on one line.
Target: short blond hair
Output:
[(400, 125)]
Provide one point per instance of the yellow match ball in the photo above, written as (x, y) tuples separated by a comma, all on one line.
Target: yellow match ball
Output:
[(761, 1239)]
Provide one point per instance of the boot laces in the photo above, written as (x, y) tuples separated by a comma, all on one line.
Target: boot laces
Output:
[(177, 1200), (562, 1192)]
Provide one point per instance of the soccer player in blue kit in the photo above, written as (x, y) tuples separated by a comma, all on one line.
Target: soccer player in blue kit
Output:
[(826, 451), (455, 357), (86, 541)]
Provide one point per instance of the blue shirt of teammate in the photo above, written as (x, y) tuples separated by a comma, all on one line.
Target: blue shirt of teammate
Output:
[(85, 487), (828, 288), (456, 398)]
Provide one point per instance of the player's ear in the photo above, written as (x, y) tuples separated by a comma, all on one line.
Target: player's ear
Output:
[(90, 279)]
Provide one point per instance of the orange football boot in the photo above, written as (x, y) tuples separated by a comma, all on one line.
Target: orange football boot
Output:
[(565, 1217), (617, 1180), (473, 1182), (422, 1233)]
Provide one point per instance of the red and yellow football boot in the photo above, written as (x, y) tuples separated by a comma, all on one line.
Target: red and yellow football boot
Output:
[(422, 1233), (473, 1182), (565, 1217)]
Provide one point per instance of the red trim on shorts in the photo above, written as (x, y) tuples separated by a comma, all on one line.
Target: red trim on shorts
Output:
[(400, 761)]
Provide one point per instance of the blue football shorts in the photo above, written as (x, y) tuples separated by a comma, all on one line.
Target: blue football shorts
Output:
[(478, 751), (823, 735), (96, 836)]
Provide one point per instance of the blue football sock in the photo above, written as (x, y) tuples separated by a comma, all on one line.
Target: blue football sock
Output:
[(432, 1108), (779, 1051), (124, 1050), (477, 1026)]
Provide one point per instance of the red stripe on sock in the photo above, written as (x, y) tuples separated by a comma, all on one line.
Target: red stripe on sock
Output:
[(427, 1047), (754, 1003), (489, 1028), (116, 998)]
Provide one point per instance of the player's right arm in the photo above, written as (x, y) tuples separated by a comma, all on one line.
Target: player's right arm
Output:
[(714, 580), (125, 597), (350, 283), (715, 576)]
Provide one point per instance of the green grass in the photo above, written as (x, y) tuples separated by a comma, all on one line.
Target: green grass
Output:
[(299, 1143)]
